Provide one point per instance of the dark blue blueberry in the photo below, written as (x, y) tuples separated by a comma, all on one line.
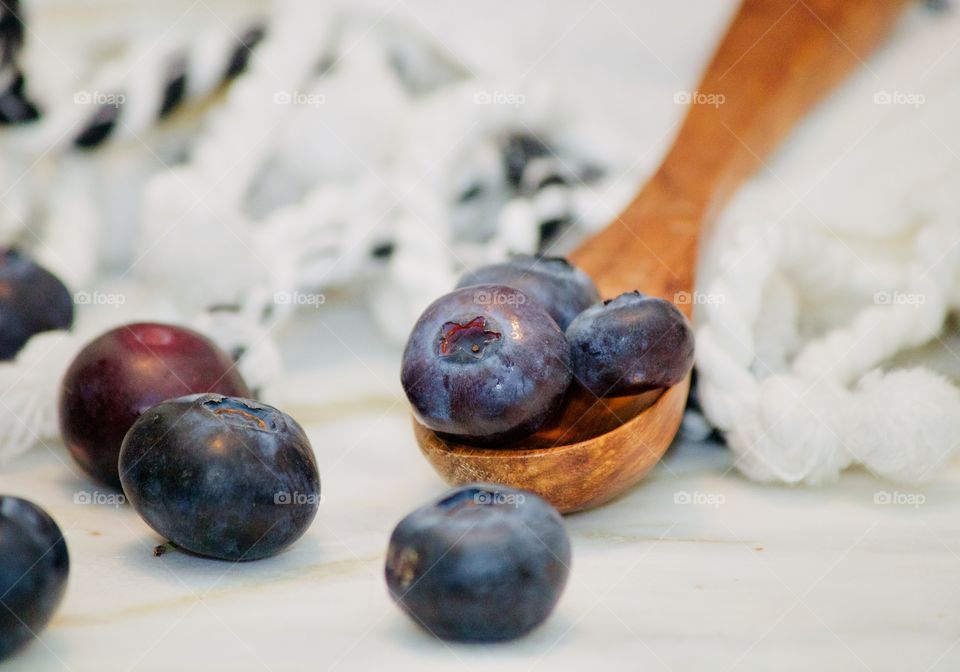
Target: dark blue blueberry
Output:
[(32, 300), (560, 288), (630, 344), (34, 565), (220, 476), (484, 563), (485, 364)]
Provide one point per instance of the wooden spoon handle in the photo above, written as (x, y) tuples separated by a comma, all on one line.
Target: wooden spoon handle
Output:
[(777, 59)]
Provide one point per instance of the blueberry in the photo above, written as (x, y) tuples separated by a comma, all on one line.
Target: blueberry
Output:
[(34, 565), (484, 563), (124, 372), (485, 364), (560, 288), (222, 477), (630, 344), (32, 300)]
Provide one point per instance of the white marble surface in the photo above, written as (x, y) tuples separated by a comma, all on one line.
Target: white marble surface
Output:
[(861, 575), (694, 569)]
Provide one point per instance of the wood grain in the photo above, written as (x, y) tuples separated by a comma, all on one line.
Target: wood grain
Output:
[(777, 60)]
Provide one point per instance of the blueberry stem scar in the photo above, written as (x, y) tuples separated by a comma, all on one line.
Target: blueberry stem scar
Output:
[(453, 332), (247, 416)]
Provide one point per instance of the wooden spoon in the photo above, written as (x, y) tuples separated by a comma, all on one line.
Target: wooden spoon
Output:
[(776, 60)]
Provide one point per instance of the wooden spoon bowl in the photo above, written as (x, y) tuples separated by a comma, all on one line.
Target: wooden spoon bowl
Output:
[(594, 449), (776, 60)]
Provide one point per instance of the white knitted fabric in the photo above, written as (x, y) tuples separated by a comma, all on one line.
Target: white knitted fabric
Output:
[(829, 264)]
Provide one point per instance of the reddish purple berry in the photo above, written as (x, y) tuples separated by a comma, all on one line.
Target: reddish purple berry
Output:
[(122, 373)]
